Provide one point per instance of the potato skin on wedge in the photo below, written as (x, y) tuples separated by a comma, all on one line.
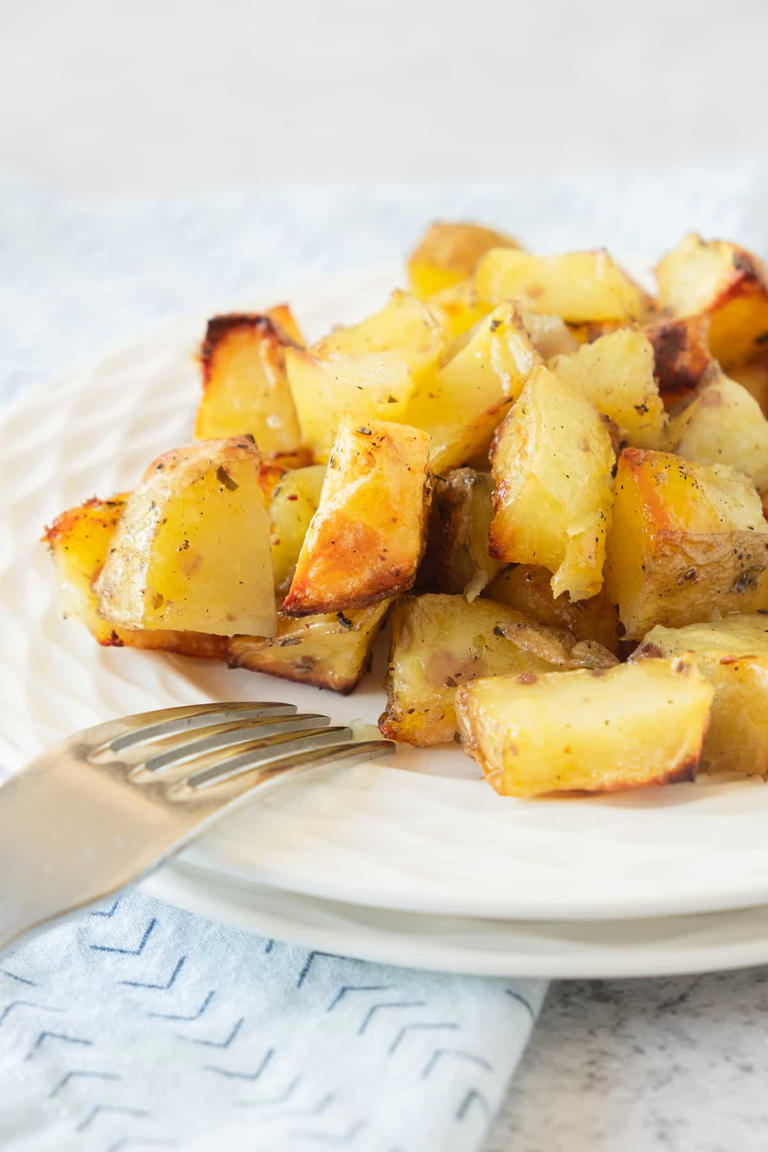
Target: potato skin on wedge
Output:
[(687, 542), (366, 538), (328, 651), (78, 541), (191, 551), (587, 730), (441, 641)]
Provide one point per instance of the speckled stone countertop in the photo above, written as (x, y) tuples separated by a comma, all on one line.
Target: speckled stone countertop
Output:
[(673, 1065)]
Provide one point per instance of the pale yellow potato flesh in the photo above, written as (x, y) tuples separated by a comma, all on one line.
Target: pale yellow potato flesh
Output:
[(366, 538), (577, 286), (552, 462), (448, 252), (733, 656), (687, 542), (441, 641), (629, 726), (457, 308), (551, 336), (245, 384), (191, 551), (293, 504), (616, 373), (724, 425), (367, 371), (724, 282)]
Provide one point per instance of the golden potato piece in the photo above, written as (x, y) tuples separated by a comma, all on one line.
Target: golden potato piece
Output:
[(245, 385), (457, 559), (367, 371), (191, 551), (587, 730), (733, 656), (79, 540), (552, 462), (529, 589), (724, 425), (328, 651), (616, 374), (441, 641), (577, 286), (448, 253), (273, 469), (687, 542), (294, 503), (462, 406), (681, 355), (365, 541), (457, 308), (726, 283)]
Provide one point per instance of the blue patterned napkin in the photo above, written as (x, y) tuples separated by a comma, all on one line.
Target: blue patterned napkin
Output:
[(143, 1027)]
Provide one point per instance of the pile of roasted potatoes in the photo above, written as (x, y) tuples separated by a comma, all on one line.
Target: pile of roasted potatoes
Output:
[(552, 484)]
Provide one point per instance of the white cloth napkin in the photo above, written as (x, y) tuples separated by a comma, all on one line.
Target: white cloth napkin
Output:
[(143, 1027)]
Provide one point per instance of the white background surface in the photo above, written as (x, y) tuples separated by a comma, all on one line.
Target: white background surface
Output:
[(158, 96)]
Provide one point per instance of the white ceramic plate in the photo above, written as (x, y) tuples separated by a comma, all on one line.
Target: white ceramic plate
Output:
[(421, 833), (565, 949)]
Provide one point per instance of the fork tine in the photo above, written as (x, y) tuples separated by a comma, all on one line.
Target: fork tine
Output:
[(302, 755), (218, 737), (233, 762), (143, 726)]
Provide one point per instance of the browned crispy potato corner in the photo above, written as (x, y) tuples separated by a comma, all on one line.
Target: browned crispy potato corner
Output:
[(587, 730), (725, 282), (681, 354), (328, 651), (366, 538), (733, 656), (687, 542), (552, 462), (580, 287), (441, 641), (191, 551), (448, 253), (245, 384), (529, 589), (79, 540)]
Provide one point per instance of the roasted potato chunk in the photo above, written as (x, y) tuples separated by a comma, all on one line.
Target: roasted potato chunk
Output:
[(79, 540), (448, 253), (724, 425), (245, 384), (329, 651), (616, 374), (441, 641), (722, 281), (733, 656), (587, 730), (552, 462), (367, 371), (461, 407), (365, 541), (457, 309), (191, 550), (687, 542), (577, 286), (681, 355), (457, 557), (528, 589), (294, 503)]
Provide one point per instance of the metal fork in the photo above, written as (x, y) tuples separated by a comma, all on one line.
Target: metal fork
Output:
[(104, 807)]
